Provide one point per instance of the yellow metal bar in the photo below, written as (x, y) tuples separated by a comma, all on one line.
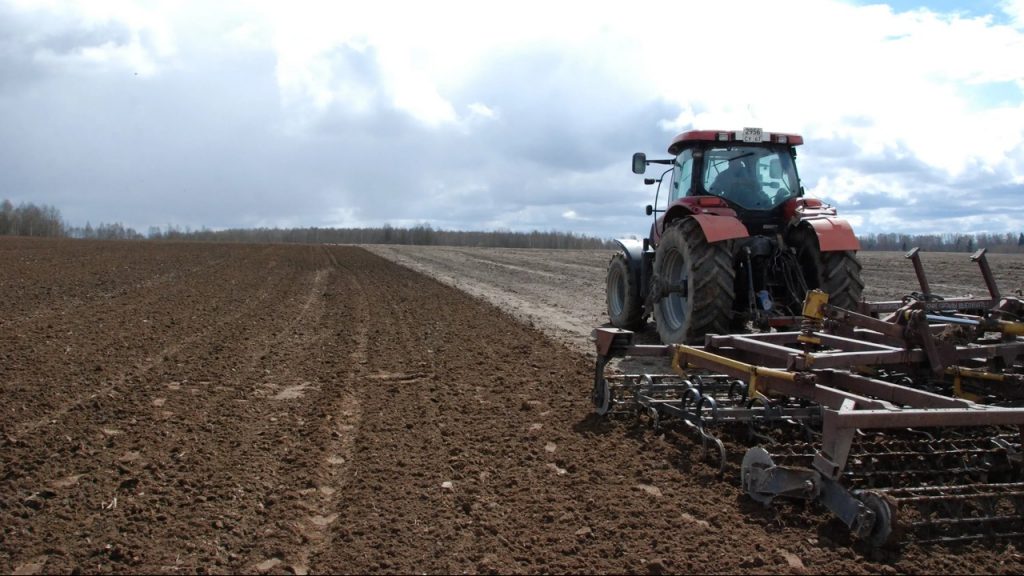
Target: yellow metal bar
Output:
[(958, 390), (755, 372), (679, 368), (972, 373), (1012, 328), (959, 373), (1002, 326)]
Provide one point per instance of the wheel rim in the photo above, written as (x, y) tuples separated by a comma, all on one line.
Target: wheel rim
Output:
[(616, 291), (673, 305)]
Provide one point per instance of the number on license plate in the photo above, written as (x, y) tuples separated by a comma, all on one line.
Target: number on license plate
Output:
[(752, 134)]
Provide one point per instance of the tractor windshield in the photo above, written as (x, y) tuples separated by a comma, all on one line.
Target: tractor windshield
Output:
[(753, 177)]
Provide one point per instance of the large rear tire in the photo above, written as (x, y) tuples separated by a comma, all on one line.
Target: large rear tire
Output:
[(692, 285), (836, 273), (842, 278), (625, 309)]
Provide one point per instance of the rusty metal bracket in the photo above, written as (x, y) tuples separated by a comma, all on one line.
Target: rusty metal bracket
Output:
[(915, 257), (986, 273)]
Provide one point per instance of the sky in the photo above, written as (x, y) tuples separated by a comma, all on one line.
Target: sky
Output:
[(515, 115)]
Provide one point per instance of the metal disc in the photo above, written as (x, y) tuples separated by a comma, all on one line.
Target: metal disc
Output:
[(755, 458), (881, 531)]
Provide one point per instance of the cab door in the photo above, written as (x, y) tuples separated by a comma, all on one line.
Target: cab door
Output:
[(679, 186)]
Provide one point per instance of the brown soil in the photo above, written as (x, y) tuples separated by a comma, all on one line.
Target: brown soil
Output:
[(562, 291), (189, 408)]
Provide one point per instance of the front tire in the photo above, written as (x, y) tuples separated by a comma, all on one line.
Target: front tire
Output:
[(693, 284), (622, 295)]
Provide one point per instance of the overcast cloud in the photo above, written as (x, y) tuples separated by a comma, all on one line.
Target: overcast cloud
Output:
[(480, 115)]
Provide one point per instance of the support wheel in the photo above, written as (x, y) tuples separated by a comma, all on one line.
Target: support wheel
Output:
[(625, 310), (692, 287)]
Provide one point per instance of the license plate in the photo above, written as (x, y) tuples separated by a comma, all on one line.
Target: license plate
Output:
[(752, 134)]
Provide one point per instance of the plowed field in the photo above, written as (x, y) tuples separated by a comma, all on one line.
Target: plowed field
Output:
[(562, 292), (199, 408)]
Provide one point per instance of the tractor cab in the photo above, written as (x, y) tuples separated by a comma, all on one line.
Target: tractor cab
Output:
[(752, 172)]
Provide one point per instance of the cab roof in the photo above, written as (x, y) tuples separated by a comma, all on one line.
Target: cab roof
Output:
[(747, 135)]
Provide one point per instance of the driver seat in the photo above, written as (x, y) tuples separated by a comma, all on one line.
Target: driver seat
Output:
[(738, 184)]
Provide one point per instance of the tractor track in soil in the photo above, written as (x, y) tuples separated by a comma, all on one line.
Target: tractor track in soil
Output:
[(226, 408)]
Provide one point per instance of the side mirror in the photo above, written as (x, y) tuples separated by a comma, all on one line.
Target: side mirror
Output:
[(649, 210), (639, 163), (650, 181)]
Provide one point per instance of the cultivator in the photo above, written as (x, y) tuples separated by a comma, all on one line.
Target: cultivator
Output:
[(903, 418)]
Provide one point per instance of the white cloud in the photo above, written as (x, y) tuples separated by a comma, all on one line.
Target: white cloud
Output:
[(478, 110), (248, 35), (534, 106), (1015, 10), (901, 74), (842, 187)]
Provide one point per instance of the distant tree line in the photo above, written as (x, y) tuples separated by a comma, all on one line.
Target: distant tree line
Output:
[(30, 220), (426, 235), (102, 231), (422, 235), (891, 241)]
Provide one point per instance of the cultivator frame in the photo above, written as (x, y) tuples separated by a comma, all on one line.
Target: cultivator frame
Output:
[(908, 415)]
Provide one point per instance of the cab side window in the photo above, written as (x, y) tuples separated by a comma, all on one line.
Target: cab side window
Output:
[(682, 173)]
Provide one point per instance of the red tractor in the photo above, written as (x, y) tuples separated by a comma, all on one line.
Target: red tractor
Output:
[(733, 243)]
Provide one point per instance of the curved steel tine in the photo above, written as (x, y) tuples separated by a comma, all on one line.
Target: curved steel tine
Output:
[(721, 455), (695, 393), (712, 404)]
